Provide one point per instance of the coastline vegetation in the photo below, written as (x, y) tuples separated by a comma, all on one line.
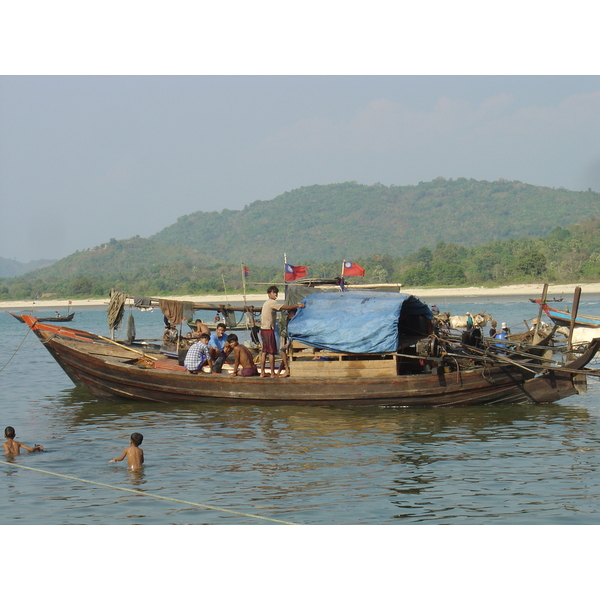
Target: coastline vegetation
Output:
[(566, 255)]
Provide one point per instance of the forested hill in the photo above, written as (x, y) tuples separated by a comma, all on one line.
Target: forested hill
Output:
[(13, 268), (347, 220)]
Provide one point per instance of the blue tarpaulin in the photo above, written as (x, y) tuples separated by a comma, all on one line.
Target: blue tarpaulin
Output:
[(355, 322)]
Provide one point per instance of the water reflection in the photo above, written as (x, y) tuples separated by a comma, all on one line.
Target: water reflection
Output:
[(136, 478), (81, 409)]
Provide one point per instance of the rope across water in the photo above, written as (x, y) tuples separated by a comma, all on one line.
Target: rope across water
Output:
[(15, 352), (140, 493)]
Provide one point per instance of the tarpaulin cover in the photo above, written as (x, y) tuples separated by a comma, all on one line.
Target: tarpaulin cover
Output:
[(355, 322)]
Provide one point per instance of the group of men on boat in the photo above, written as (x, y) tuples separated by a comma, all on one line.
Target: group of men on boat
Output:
[(211, 351)]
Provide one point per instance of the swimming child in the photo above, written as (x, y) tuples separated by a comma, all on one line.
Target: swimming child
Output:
[(12, 447), (134, 454)]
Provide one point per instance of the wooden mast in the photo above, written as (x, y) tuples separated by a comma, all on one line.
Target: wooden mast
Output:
[(574, 310)]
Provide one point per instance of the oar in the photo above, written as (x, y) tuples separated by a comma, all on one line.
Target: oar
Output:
[(501, 358), (125, 347)]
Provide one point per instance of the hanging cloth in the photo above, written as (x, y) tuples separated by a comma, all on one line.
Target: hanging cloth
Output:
[(173, 310), (188, 311), (142, 301), (130, 329)]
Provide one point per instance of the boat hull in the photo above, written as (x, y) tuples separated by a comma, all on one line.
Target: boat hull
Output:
[(563, 318), (110, 372), (64, 319)]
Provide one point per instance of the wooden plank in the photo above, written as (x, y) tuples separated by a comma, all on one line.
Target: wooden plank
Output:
[(296, 345), (335, 368)]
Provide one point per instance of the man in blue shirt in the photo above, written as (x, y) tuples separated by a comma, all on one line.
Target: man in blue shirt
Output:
[(219, 347)]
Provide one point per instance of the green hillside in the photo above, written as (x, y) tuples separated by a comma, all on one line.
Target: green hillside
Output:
[(123, 256), (13, 268), (348, 220), (462, 232)]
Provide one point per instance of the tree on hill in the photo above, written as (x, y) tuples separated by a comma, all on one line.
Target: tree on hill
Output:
[(319, 221)]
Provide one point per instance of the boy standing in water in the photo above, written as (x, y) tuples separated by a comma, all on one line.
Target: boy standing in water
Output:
[(134, 454), (12, 447)]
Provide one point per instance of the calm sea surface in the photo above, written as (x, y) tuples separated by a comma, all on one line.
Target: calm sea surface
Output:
[(521, 464)]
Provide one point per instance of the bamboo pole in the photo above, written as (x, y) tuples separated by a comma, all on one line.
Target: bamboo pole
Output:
[(125, 347), (574, 310), (543, 301)]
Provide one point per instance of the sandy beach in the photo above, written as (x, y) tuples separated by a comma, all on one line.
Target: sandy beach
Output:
[(532, 290)]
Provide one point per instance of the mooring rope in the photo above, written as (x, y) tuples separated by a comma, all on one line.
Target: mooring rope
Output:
[(15, 352), (140, 493)]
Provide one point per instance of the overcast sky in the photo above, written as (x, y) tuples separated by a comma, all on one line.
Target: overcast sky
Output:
[(84, 159)]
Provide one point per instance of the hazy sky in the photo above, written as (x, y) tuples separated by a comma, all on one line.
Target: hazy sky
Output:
[(87, 158)]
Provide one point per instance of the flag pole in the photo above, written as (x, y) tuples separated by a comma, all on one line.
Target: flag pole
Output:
[(225, 287), (243, 282), (342, 275), (285, 288)]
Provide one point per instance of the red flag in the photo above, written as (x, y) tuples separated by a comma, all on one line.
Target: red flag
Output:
[(293, 273), (351, 268), (246, 271)]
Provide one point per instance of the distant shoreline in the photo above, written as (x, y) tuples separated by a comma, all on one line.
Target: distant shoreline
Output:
[(532, 290)]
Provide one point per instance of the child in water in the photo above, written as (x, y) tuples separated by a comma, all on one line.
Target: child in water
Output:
[(12, 447), (134, 454)]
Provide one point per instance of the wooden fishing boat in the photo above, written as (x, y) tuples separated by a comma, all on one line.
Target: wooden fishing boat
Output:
[(579, 329), (17, 317), (371, 351), (563, 318), (57, 319)]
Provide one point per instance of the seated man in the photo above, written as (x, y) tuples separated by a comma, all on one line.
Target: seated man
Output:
[(200, 328), (171, 334), (198, 355), (242, 358), (218, 347)]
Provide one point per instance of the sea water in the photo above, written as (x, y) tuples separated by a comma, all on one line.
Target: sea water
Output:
[(243, 465)]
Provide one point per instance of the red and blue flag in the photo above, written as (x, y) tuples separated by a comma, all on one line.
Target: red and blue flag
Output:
[(292, 273), (350, 268)]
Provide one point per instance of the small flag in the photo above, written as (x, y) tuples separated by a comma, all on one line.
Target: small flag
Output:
[(351, 268), (70, 302), (246, 271), (293, 273)]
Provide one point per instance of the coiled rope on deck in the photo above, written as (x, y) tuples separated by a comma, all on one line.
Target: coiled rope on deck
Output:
[(140, 493)]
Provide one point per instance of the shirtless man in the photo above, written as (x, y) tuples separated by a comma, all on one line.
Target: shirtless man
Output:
[(134, 454), (200, 328), (12, 447), (242, 357)]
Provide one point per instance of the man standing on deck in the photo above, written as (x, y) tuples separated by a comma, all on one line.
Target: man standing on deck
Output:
[(267, 331)]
